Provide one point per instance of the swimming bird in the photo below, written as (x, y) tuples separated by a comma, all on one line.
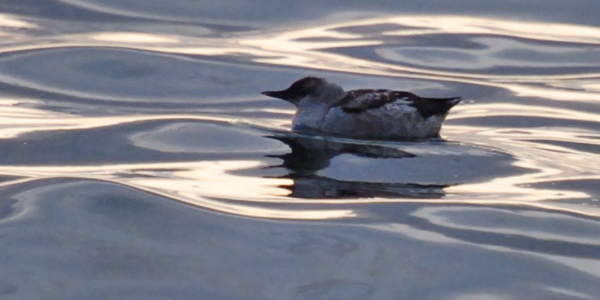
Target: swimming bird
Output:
[(324, 107)]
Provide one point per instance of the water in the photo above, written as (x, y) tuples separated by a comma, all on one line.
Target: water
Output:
[(139, 160)]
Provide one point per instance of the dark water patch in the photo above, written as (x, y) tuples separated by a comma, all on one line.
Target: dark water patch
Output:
[(128, 75), (480, 54), (589, 186), (148, 141), (541, 231), (330, 168), (57, 10), (205, 138), (82, 105), (321, 187), (7, 209), (116, 72), (233, 12), (439, 220), (422, 169), (85, 238)]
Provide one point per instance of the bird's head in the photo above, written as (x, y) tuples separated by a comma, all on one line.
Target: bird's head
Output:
[(299, 89)]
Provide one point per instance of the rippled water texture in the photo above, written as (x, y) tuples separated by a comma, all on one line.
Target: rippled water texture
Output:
[(140, 161)]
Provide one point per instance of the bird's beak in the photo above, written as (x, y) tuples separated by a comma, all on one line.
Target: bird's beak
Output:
[(283, 95), (276, 94)]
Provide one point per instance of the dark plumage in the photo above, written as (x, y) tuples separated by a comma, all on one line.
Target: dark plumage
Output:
[(357, 101)]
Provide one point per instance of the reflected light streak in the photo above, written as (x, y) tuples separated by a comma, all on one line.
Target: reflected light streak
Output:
[(211, 179), (514, 187), (593, 86), (509, 109), (450, 217), (19, 120), (195, 183), (298, 48), (267, 213), (297, 41), (294, 48), (552, 93), (548, 164), (133, 37), (471, 25), (536, 143), (11, 21)]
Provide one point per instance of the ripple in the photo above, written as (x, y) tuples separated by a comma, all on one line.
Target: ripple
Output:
[(542, 225), (422, 169), (449, 46), (206, 138), (519, 157), (335, 289), (179, 10), (139, 158), (105, 230), (134, 140), (125, 75), (497, 55)]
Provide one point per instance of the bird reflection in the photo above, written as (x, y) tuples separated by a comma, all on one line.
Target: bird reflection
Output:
[(310, 154)]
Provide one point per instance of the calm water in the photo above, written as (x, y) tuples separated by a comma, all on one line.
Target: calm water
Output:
[(139, 160)]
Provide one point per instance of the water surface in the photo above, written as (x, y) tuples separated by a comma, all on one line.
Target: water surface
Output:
[(139, 160)]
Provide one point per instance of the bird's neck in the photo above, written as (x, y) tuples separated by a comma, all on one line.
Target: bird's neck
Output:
[(310, 115), (312, 110)]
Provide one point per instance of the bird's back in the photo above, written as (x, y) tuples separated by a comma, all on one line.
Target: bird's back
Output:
[(357, 101), (386, 114)]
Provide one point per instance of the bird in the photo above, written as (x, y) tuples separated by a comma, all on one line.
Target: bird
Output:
[(323, 107)]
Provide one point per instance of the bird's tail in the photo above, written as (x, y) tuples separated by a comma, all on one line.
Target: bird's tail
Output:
[(436, 106), (446, 102)]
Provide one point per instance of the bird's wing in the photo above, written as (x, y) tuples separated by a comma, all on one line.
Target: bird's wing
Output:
[(357, 101)]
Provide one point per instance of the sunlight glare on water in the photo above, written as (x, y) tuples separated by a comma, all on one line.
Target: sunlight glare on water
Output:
[(326, 47), (140, 160)]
